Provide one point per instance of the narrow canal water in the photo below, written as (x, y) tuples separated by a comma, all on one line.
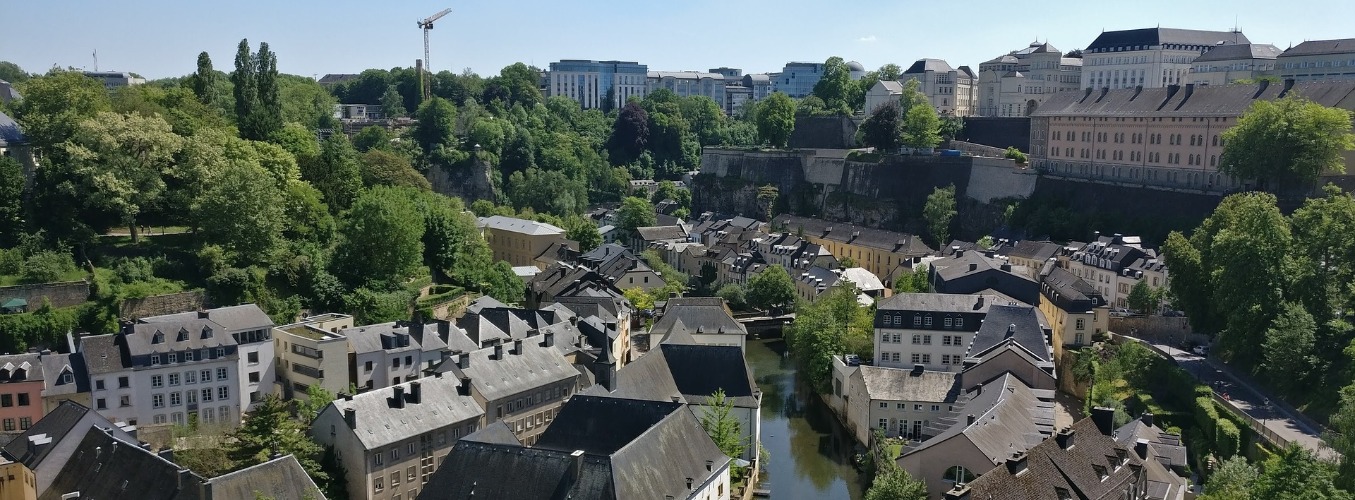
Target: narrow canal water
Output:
[(810, 451)]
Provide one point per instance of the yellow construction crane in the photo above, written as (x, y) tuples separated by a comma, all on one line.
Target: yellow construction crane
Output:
[(427, 24)]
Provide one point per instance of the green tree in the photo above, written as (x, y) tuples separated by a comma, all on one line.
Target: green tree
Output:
[(1294, 474), (775, 119), (380, 242), (384, 168), (734, 295), (639, 298), (11, 201), (245, 84), (317, 398), (630, 134), (939, 211), (722, 426), (772, 289), (503, 284), (437, 124), (12, 73), (336, 172), (583, 231), (835, 87), (921, 127), (265, 116), (1289, 348), (766, 200), (269, 429), (705, 118), (1287, 142), (306, 215), (242, 211), (305, 102), (1341, 436), (392, 104), (1143, 298), (204, 81), (370, 138), (1232, 480), (302, 143), (666, 191), (883, 129), (896, 484), (951, 126), (45, 267), (914, 281), (833, 325), (121, 160), (635, 212), (54, 105)]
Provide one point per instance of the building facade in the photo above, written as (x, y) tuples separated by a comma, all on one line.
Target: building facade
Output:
[(1225, 64), (951, 91), (312, 352), (929, 329), (688, 83), (1149, 57), (1318, 60), (885, 254), (797, 79), (522, 242), (252, 331), (21, 391), (1017, 83), (389, 354), (1162, 138), (591, 83), (115, 79), (521, 384), (1114, 264), (1076, 311)]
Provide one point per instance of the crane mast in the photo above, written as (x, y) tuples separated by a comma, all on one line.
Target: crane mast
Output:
[(427, 24)]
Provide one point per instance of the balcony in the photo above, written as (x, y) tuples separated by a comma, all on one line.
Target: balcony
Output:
[(307, 352), (314, 373)]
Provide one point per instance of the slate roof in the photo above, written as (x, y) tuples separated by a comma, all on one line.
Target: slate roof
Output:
[(1028, 331), (891, 86), (563, 280), (897, 384), (105, 465), (906, 244), (12, 364), (631, 449), (656, 233), (1235, 51), (697, 315), (937, 302), (1009, 417), (924, 65), (1208, 100), (691, 372), (1038, 251), (383, 337), (1163, 36), (280, 479), (1166, 448), (522, 226), (68, 420), (233, 318), (53, 365), (10, 132), (333, 78), (177, 336), (380, 422), (1068, 290), (505, 324), (494, 433), (103, 355), (536, 366), (1075, 471), (1321, 47)]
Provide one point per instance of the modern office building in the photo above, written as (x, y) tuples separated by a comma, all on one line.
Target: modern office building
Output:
[(1148, 57), (312, 352), (591, 83), (797, 79)]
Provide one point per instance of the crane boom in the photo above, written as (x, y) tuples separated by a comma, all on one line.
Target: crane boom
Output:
[(427, 24)]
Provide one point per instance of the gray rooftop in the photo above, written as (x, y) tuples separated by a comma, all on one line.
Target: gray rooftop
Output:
[(938, 302), (535, 367), (897, 384), (176, 336), (10, 133), (1147, 37), (389, 337), (1019, 323), (697, 315), (1236, 51), (523, 226), (1209, 100), (1321, 47), (690, 372), (924, 65), (233, 318), (381, 422), (104, 464), (280, 479), (1009, 418)]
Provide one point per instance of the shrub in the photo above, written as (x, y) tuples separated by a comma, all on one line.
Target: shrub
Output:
[(45, 267), (11, 261), (1227, 438), (1015, 154)]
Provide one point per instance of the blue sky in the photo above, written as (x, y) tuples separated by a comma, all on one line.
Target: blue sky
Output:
[(161, 38)]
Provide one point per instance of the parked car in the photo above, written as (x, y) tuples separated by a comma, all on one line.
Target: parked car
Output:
[(1120, 312), (1202, 350)]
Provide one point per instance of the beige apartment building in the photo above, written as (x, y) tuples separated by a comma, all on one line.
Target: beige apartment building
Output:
[(951, 91), (1164, 138), (1148, 57), (522, 242), (885, 254), (1318, 60), (313, 352), (1075, 310), (1015, 84)]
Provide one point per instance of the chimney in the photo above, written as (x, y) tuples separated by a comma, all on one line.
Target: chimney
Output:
[(989, 253), (517, 347), (1261, 87), (202, 314), (710, 465), (1288, 85), (1137, 90), (415, 392), (574, 320), (350, 416), (1006, 267), (959, 492), (958, 252), (1147, 419), (1105, 420), (347, 397), (1096, 235), (672, 295), (973, 266), (689, 483), (1065, 438), (463, 389), (1190, 89), (1086, 94), (576, 465), (1141, 448), (917, 370), (1104, 91), (444, 329), (548, 339), (969, 420), (1011, 331), (979, 303), (498, 351), (1016, 464), (463, 361)]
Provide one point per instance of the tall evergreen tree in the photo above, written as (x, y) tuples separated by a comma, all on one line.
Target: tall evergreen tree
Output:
[(204, 81), (267, 116), (246, 93)]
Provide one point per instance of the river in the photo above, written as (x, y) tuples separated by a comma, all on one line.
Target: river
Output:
[(810, 452)]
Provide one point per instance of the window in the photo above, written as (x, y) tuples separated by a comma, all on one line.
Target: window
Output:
[(409, 361), (157, 400), (206, 376), (206, 394), (917, 358), (253, 358), (884, 404), (99, 384), (926, 358), (1081, 323), (896, 357), (192, 397), (220, 352), (173, 379), (948, 322), (395, 363), (936, 408), (9, 425), (367, 366), (394, 454), (1078, 338), (917, 339), (927, 321), (100, 404), (173, 358), (917, 321), (379, 459), (254, 377), (190, 377), (926, 340), (1100, 472), (157, 381), (155, 359), (376, 485), (188, 356), (158, 419), (175, 399), (223, 393), (221, 374), (958, 474), (67, 378), (6, 400), (395, 479), (884, 424)]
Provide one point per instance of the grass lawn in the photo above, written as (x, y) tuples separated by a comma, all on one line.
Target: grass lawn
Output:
[(13, 279)]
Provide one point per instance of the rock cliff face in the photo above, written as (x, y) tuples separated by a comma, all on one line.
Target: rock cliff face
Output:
[(468, 182)]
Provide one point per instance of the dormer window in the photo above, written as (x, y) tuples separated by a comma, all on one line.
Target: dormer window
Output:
[(220, 352), (1100, 472), (158, 338), (67, 377), (155, 359), (183, 335), (188, 356), (206, 332), (173, 358)]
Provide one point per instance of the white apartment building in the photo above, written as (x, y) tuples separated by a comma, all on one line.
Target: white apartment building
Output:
[(165, 373), (252, 331), (388, 354), (590, 83), (1148, 57), (312, 352), (1318, 60), (1017, 83), (950, 90), (1225, 64), (1113, 264), (933, 330)]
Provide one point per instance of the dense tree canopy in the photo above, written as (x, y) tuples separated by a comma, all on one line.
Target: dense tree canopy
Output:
[(775, 120), (771, 289), (1287, 142)]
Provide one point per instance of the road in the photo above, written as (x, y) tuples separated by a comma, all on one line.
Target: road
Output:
[(1252, 401)]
